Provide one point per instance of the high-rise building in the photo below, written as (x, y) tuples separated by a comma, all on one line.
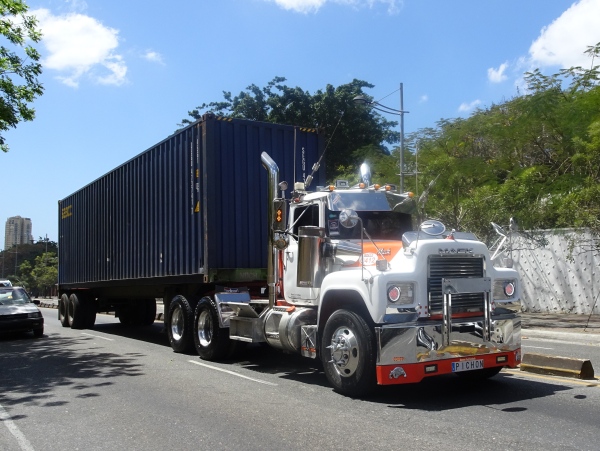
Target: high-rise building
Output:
[(17, 231)]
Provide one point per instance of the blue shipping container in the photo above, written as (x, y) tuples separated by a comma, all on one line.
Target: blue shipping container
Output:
[(191, 209)]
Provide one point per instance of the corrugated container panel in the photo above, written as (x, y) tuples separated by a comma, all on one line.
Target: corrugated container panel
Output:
[(195, 201)]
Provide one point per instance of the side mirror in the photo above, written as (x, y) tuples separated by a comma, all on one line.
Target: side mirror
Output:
[(499, 230)]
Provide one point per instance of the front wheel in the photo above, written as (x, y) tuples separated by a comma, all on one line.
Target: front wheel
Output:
[(212, 342), (348, 353)]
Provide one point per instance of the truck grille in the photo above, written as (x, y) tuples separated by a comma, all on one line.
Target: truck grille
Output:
[(454, 267)]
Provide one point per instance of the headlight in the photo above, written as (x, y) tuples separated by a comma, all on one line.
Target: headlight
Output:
[(401, 293), (505, 289), (34, 315)]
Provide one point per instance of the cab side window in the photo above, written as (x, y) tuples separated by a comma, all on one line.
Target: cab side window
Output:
[(309, 216)]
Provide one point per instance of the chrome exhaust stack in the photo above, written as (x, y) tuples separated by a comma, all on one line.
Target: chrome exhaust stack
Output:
[(272, 183)]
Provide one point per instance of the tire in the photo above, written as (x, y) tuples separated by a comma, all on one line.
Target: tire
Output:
[(63, 310), (37, 333), (90, 312), (212, 342), (128, 315), (77, 312), (348, 354), (179, 326), (479, 375), (148, 312)]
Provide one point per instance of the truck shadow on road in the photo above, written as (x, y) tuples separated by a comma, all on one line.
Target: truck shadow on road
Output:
[(503, 392)]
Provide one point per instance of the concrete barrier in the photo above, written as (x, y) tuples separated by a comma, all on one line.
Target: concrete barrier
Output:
[(557, 366)]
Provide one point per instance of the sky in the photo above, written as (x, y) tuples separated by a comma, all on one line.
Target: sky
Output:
[(119, 76)]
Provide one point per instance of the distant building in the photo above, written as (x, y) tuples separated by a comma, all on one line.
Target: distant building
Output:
[(17, 231)]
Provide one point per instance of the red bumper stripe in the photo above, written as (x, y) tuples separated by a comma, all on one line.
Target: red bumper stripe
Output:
[(415, 372)]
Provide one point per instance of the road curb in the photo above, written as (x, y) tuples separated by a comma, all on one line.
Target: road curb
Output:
[(557, 366)]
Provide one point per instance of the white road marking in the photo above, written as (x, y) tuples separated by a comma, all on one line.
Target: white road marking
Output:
[(14, 430), (98, 336), (232, 373), (535, 347), (578, 343)]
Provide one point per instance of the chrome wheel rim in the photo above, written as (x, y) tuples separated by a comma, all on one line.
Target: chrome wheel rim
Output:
[(177, 324), (204, 328), (345, 354)]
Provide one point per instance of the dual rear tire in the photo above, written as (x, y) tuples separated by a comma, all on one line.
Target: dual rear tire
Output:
[(212, 342), (77, 311)]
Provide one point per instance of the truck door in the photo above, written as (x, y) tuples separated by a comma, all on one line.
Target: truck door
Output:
[(300, 215)]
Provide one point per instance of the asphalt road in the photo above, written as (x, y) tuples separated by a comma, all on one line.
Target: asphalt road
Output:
[(117, 388)]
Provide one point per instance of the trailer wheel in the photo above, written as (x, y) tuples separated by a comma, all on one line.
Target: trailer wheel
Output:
[(212, 342), (77, 312), (63, 310), (180, 325), (348, 353), (126, 314), (148, 315), (479, 375), (90, 312)]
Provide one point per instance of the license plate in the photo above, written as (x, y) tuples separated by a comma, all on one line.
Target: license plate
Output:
[(467, 365)]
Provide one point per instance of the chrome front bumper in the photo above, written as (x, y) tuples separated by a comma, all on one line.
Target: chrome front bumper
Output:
[(419, 342)]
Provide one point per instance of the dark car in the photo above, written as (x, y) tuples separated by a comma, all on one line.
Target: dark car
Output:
[(18, 313)]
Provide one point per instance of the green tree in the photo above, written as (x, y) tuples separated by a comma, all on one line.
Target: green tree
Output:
[(11, 259), (19, 66), (45, 273), (347, 126), (535, 157)]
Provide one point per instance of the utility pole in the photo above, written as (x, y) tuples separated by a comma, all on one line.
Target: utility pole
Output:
[(401, 137)]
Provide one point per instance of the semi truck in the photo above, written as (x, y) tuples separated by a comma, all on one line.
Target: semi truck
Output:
[(339, 272)]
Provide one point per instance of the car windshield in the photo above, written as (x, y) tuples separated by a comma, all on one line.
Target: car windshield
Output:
[(13, 296)]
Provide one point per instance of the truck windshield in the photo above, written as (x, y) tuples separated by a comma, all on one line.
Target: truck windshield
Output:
[(380, 225), (379, 201)]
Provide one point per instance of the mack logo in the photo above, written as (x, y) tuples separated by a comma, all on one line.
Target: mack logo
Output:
[(451, 250)]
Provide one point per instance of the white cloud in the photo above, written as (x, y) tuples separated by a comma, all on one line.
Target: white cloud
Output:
[(497, 75), (563, 42), (424, 98), (77, 5), (466, 107), (312, 6), (154, 57), (78, 45)]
